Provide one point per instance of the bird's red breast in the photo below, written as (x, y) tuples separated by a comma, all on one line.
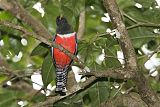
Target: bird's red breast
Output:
[(68, 41)]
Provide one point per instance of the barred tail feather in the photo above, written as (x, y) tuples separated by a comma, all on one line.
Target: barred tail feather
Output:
[(64, 80), (61, 80)]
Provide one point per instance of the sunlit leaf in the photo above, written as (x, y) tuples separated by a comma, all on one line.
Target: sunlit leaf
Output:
[(39, 50), (48, 70)]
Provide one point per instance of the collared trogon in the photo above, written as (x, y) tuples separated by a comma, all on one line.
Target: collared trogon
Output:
[(67, 39)]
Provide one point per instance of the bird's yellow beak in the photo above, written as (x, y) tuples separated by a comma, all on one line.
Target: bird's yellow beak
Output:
[(61, 16)]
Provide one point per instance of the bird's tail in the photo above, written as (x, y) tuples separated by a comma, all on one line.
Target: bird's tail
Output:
[(61, 80)]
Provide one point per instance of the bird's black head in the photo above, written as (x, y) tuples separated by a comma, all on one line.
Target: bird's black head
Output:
[(63, 27), (61, 21)]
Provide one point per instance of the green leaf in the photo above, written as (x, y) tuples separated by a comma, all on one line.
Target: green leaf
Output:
[(15, 45), (155, 84), (9, 98), (91, 97), (89, 2), (141, 35), (75, 6), (123, 4), (50, 18), (96, 94), (143, 15), (39, 50), (48, 70), (112, 61), (68, 13), (71, 9), (145, 3), (141, 61), (5, 15)]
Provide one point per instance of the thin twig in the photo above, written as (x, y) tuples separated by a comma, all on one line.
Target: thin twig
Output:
[(144, 25), (129, 17), (119, 89)]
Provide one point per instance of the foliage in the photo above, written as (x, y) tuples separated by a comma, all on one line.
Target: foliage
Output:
[(90, 47)]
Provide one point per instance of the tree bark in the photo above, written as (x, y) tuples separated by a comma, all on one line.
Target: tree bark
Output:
[(144, 89)]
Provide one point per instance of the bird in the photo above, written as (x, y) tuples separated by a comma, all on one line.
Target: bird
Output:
[(67, 38)]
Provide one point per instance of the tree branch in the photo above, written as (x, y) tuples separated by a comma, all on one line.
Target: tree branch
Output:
[(126, 100), (81, 27), (17, 27), (118, 73), (124, 40), (145, 91), (17, 10), (113, 73), (50, 101), (8, 72)]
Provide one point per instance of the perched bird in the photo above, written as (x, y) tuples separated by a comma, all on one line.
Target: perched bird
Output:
[(67, 39)]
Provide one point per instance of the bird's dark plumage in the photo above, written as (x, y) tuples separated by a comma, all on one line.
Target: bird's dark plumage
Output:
[(63, 27)]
